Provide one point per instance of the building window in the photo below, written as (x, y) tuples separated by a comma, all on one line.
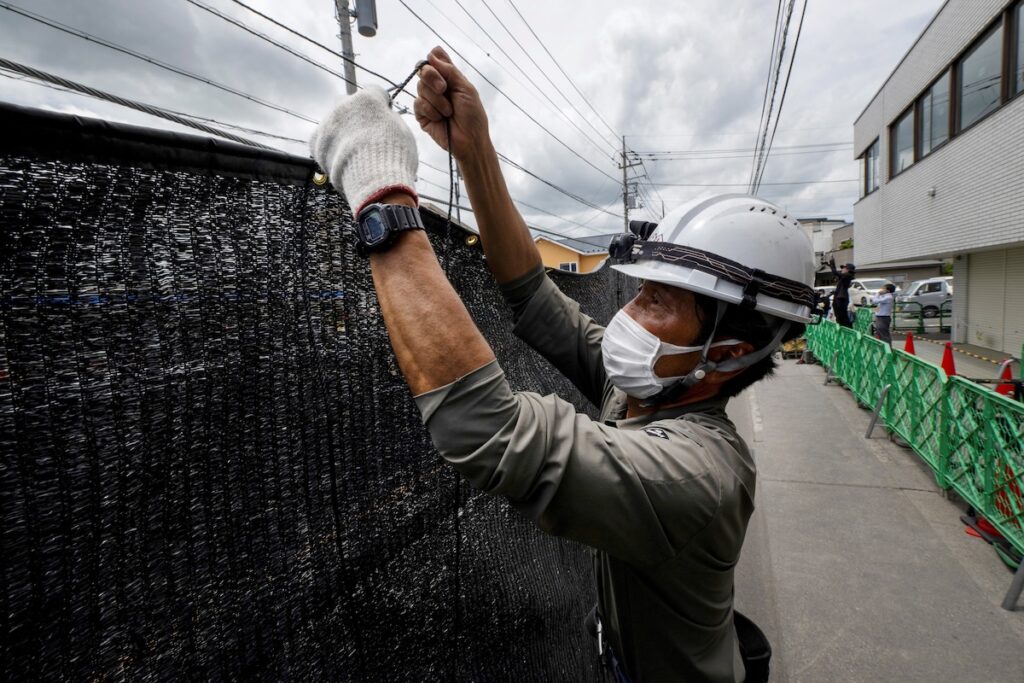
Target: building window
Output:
[(901, 143), (980, 78), (869, 170), (1018, 69), (933, 126), (571, 266)]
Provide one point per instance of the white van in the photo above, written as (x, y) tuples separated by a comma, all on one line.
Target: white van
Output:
[(930, 294), (862, 289)]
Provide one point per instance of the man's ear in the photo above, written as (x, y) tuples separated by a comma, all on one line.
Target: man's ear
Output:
[(720, 354)]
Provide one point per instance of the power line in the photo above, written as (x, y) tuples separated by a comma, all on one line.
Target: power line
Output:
[(530, 227), (502, 92), (530, 80), (542, 71), (150, 60), (553, 186), (555, 61), (318, 44), (785, 88), (743, 150), (767, 83), (744, 156), (268, 39), (777, 58), (791, 182), (131, 104)]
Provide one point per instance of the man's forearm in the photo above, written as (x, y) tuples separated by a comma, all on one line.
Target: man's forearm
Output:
[(432, 333), (507, 242)]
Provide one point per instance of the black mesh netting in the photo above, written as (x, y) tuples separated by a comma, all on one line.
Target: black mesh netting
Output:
[(211, 467)]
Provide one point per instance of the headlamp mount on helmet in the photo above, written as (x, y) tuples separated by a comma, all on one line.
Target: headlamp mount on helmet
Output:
[(628, 248)]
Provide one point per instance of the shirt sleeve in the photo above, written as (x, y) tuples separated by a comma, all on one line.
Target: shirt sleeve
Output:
[(553, 325), (639, 495)]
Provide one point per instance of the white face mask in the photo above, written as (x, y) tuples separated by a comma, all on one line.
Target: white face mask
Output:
[(630, 353)]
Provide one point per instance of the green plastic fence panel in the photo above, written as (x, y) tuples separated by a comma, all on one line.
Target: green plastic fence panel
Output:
[(983, 454), (873, 357), (846, 344), (862, 321), (914, 406)]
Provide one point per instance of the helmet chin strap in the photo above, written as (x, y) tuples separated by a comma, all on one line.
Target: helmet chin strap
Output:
[(704, 366)]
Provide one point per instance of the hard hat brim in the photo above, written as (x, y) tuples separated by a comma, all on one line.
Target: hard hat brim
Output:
[(699, 282)]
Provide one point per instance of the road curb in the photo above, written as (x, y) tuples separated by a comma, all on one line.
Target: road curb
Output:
[(966, 353)]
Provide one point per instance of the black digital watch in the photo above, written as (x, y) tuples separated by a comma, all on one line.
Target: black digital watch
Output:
[(378, 225)]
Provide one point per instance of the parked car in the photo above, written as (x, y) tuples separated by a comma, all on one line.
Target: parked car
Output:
[(930, 294), (862, 289)]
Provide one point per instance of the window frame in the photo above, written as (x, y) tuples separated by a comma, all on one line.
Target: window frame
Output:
[(865, 163), (998, 23), (1014, 20), (910, 111), (919, 116), (573, 267)]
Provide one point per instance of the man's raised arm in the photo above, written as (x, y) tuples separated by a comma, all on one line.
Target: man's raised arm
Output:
[(444, 93)]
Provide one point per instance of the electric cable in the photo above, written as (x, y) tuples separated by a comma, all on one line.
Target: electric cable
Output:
[(767, 84), (318, 44), (268, 39), (542, 71), (124, 102), (532, 82), (503, 93), (150, 60), (555, 61), (782, 100), (791, 182), (775, 86)]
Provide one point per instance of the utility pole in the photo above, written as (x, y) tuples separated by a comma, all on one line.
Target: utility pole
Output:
[(625, 166), (345, 22)]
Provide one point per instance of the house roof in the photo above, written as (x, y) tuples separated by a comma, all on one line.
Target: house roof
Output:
[(588, 246)]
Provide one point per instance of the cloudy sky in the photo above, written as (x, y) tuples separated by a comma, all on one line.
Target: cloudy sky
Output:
[(677, 76)]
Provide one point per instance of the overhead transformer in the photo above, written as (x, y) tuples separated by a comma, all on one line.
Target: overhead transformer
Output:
[(210, 466)]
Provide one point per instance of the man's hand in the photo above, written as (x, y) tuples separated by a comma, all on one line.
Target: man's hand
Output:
[(366, 149), (444, 93)]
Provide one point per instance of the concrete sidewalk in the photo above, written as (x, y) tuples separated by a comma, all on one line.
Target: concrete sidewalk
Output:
[(855, 565)]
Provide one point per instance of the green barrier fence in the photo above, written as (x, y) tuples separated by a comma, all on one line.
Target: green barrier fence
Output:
[(972, 437)]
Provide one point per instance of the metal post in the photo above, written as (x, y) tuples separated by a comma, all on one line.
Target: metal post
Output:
[(1013, 595), (345, 23), (878, 410), (828, 370)]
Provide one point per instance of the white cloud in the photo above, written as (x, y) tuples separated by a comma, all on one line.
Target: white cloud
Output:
[(670, 76)]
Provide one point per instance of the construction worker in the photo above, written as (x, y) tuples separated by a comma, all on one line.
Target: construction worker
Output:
[(841, 296), (661, 486)]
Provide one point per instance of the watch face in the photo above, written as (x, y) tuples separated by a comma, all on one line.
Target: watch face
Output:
[(373, 227)]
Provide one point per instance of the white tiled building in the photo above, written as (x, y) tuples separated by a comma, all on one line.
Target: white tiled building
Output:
[(942, 161)]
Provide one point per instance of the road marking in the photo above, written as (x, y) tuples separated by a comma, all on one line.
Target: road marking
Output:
[(755, 416)]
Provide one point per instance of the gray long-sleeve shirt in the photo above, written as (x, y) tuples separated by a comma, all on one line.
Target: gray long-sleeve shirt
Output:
[(664, 499)]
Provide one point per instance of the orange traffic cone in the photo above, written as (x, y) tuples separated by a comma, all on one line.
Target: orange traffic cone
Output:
[(908, 345), (947, 360), (1006, 388)]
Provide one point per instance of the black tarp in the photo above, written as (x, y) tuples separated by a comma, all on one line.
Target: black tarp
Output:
[(210, 466)]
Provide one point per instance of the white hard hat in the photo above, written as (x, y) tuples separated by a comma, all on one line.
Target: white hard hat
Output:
[(735, 248)]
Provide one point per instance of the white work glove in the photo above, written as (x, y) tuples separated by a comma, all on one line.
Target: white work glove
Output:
[(366, 149)]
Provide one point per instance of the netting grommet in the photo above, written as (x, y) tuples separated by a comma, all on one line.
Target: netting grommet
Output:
[(472, 240), (320, 178)]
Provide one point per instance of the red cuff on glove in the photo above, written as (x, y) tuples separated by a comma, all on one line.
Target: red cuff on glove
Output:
[(384, 192)]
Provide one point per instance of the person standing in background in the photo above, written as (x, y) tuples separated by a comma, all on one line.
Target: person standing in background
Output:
[(883, 316), (841, 297)]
